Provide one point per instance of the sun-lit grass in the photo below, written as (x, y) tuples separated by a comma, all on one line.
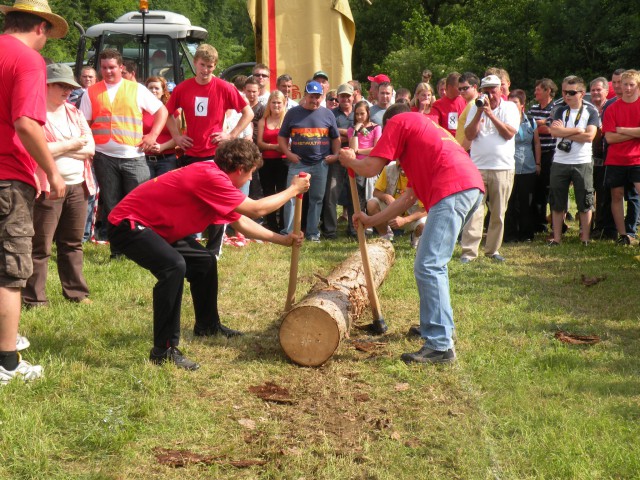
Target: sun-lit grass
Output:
[(518, 404)]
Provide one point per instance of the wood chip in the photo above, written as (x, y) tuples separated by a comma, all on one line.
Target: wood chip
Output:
[(575, 339), (271, 392)]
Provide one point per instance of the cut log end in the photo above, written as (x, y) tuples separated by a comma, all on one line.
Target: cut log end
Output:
[(309, 336)]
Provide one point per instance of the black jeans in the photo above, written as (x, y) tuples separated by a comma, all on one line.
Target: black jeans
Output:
[(519, 219), (171, 264)]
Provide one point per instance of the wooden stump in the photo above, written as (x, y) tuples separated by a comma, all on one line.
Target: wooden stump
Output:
[(311, 331)]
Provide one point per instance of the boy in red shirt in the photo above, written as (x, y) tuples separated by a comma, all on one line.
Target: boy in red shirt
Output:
[(621, 128), (443, 177), (153, 225)]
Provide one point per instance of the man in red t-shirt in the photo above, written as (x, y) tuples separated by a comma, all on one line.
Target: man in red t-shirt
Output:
[(621, 128), (449, 108), (153, 226), (22, 114), (443, 177), (204, 100)]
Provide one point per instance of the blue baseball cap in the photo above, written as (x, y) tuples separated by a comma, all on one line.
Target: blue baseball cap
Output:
[(313, 87)]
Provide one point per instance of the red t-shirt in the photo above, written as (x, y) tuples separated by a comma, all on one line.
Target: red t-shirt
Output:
[(164, 137), (434, 163), (448, 111), (204, 107), (23, 93), (622, 114), (181, 202)]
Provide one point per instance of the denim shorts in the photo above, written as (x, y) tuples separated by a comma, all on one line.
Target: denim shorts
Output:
[(16, 230), (616, 176)]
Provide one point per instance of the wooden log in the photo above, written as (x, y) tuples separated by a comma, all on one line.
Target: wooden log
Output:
[(312, 330)]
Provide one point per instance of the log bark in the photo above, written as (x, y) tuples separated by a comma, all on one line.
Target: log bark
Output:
[(312, 330)]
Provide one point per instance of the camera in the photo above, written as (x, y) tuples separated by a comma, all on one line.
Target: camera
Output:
[(564, 146), (480, 100)]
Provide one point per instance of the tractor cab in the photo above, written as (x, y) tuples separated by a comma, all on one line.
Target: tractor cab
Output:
[(160, 43)]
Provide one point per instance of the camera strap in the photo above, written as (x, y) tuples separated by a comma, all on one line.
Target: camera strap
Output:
[(575, 122)]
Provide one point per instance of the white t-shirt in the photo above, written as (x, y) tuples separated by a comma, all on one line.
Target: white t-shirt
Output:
[(489, 150), (146, 102), (580, 152)]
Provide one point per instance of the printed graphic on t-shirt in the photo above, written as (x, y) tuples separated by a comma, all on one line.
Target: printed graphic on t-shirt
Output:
[(452, 121), (201, 106), (309, 136)]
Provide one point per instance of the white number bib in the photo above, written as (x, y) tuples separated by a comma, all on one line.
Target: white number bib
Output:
[(201, 106)]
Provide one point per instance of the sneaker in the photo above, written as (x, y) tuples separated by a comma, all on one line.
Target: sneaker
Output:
[(387, 236), (427, 355), (624, 240), (314, 238), (497, 257), (465, 260), (414, 241), (173, 355), (553, 243), (24, 371), (22, 343), (217, 330)]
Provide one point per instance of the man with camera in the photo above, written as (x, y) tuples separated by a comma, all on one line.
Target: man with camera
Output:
[(574, 125), (491, 127)]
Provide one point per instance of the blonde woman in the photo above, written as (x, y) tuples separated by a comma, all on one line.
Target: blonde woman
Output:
[(273, 174), (423, 98)]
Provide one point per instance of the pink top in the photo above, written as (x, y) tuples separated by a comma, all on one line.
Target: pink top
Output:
[(181, 202), (78, 120), (366, 141), (270, 136), (434, 163)]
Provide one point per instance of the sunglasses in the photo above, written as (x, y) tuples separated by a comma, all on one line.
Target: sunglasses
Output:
[(571, 93), (261, 75), (332, 99), (464, 89)]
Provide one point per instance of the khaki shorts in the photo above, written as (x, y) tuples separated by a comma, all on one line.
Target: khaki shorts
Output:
[(16, 231), (409, 227)]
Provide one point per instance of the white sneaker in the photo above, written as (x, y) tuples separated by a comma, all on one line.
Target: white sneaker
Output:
[(414, 241), (22, 343), (24, 370)]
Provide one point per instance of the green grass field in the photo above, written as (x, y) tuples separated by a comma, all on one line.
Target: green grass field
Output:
[(518, 404)]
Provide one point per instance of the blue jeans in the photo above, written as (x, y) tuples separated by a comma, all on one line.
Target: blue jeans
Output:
[(160, 164), (318, 174), (444, 223)]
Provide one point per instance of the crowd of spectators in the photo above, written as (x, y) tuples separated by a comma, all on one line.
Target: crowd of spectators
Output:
[(109, 133)]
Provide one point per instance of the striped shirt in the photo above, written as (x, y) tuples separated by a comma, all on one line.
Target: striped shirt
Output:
[(547, 142)]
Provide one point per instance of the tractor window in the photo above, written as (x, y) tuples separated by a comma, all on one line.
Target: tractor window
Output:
[(161, 61), (129, 47), (186, 52)]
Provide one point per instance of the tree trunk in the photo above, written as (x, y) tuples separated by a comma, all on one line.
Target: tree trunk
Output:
[(311, 331)]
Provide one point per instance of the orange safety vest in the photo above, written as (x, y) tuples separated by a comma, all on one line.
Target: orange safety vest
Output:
[(120, 121)]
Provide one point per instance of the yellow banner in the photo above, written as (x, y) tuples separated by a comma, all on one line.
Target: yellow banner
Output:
[(301, 37)]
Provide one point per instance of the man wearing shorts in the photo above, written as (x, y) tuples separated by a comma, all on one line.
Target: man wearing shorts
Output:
[(621, 128), (23, 113), (574, 126)]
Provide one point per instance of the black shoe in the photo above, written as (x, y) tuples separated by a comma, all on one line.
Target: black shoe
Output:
[(217, 330), (377, 327), (427, 355), (173, 355), (624, 240), (414, 331)]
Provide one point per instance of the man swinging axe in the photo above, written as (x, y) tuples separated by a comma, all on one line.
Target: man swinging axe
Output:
[(450, 187)]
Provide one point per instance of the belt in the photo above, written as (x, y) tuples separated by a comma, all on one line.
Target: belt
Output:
[(161, 156)]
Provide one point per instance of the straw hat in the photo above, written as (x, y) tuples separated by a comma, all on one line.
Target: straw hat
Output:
[(41, 9)]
